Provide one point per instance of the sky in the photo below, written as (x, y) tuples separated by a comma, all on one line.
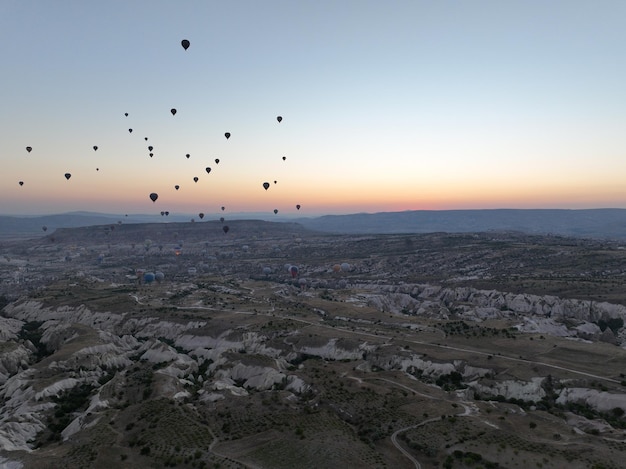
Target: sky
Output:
[(385, 106)]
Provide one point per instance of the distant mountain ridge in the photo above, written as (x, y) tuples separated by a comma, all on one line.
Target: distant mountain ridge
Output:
[(607, 223), (589, 223)]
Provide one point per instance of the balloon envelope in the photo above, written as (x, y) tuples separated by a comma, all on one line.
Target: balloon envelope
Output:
[(185, 43), (298, 207), (201, 215), (21, 183), (195, 179), (154, 196), (227, 135), (176, 187), (95, 147), (173, 111), (29, 149), (130, 131), (208, 170), (279, 118), (275, 211), (266, 185), (217, 160), (68, 175), (225, 229)]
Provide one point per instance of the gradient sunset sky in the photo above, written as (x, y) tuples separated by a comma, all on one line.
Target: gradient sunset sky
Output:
[(386, 106)]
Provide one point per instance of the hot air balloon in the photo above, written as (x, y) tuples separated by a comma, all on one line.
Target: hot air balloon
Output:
[(176, 187), (208, 170), (266, 185), (167, 213), (227, 135), (275, 182), (45, 228), (222, 219), (187, 155), (145, 138), (130, 131), (29, 149), (298, 207), (151, 155), (21, 183), (217, 161), (97, 169), (275, 211), (95, 147), (195, 179), (126, 114), (284, 158), (68, 175), (185, 43), (162, 213), (279, 118), (173, 111), (154, 196), (293, 270), (150, 148), (148, 277), (225, 229), (201, 215)]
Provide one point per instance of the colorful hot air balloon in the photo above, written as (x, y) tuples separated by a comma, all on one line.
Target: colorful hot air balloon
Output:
[(154, 196), (185, 43), (266, 185)]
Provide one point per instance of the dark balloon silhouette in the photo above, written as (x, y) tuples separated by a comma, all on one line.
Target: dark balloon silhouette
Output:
[(45, 228), (176, 187), (167, 213), (150, 148), (225, 229), (154, 196), (195, 179), (95, 147), (275, 211), (266, 185), (185, 43), (284, 158), (126, 114), (68, 175), (187, 155), (130, 131), (21, 183), (29, 149), (223, 208), (173, 111), (222, 219), (298, 207), (227, 135), (201, 215), (208, 170), (145, 138), (151, 155), (279, 118), (162, 213), (275, 182), (97, 169), (217, 161)]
